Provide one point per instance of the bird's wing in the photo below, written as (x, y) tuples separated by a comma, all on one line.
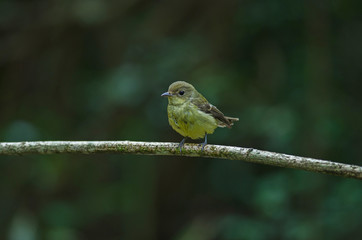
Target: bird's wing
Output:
[(208, 108)]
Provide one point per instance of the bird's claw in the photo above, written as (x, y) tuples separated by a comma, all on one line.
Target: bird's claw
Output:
[(204, 143), (181, 144), (203, 146)]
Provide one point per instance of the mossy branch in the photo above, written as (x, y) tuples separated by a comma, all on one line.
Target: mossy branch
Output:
[(189, 150)]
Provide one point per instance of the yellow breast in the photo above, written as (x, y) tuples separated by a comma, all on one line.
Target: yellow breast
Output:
[(189, 121)]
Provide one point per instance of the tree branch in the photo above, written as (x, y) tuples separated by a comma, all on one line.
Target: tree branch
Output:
[(189, 150)]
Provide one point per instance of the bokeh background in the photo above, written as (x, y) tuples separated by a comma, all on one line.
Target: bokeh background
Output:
[(94, 70)]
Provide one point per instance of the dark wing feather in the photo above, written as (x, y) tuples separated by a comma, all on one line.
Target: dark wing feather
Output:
[(206, 107)]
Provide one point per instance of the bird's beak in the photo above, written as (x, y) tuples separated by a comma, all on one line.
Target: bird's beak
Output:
[(166, 94)]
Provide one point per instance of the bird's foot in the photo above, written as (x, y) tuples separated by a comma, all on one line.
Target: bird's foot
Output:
[(204, 143), (181, 144), (202, 146)]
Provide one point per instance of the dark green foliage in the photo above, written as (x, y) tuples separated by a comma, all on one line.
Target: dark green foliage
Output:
[(94, 70)]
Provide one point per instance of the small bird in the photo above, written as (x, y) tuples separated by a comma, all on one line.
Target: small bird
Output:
[(191, 115)]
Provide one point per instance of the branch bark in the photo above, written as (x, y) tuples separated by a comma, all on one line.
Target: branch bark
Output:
[(189, 150)]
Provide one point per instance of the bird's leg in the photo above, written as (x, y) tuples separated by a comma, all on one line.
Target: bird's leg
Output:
[(181, 144), (204, 143)]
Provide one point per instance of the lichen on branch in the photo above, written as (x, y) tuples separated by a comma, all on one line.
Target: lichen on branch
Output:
[(189, 150)]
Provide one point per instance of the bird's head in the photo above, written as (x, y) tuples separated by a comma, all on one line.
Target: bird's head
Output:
[(179, 92)]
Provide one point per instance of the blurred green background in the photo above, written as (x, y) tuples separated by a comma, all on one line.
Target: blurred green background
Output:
[(94, 70)]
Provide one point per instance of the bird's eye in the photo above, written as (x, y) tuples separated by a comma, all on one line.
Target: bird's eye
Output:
[(181, 92)]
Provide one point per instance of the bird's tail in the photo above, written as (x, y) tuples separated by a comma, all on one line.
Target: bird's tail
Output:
[(232, 120)]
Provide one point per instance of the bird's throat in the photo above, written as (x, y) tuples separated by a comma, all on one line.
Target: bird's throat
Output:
[(176, 101)]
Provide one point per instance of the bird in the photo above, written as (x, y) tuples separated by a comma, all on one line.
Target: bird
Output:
[(191, 115)]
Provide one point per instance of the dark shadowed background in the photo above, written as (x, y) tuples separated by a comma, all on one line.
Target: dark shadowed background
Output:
[(94, 70)]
